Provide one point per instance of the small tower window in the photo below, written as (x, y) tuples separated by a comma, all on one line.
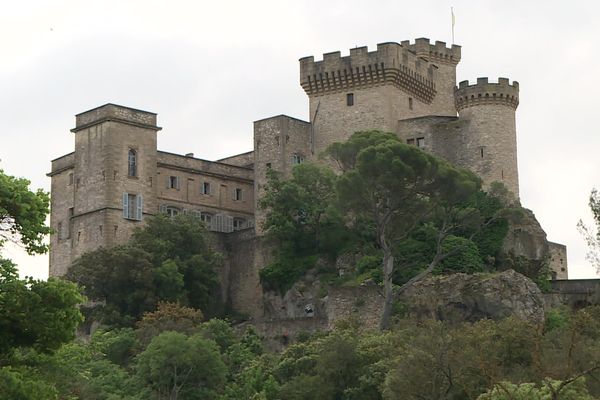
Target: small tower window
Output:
[(410, 103), (410, 141), (205, 189), (421, 142), (132, 163), (481, 150), (350, 99), (70, 179)]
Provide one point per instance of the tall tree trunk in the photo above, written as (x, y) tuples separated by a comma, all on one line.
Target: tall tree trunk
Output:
[(388, 288)]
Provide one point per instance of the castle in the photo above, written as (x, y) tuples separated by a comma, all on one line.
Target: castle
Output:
[(116, 176)]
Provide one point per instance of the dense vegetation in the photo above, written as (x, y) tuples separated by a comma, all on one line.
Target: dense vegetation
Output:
[(169, 260), (403, 212), (171, 354)]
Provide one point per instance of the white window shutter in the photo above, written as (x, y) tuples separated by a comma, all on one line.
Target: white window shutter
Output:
[(125, 205), (139, 207), (168, 182), (177, 182)]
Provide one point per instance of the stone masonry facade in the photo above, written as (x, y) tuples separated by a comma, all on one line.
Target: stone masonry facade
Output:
[(116, 176)]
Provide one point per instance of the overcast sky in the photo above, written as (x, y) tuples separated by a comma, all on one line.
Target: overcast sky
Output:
[(210, 68)]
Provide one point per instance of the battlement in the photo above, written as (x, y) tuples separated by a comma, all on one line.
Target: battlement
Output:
[(437, 52), (114, 112), (391, 64), (484, 92)]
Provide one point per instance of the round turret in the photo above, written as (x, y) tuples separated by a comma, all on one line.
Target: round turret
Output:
[(490, 141)]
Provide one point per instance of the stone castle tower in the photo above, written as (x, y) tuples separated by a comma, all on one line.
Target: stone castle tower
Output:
[(116, 176)]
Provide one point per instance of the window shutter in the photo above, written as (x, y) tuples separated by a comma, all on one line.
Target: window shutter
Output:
[(125, 205), (162, 209), (168, 182), (177, 182), (139, 207)]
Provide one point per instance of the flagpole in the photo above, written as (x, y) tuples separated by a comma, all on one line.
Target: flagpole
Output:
[(452, 13)]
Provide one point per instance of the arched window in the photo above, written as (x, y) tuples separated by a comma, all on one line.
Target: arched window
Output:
[(132, 163)]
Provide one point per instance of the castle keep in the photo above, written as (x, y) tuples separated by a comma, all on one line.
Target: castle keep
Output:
[(116, 176)]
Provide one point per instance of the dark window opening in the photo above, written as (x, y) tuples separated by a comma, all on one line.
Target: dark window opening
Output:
[(410, 103), (481, 152), (173, 182), (269, 165), (410, 141), (205, 187), (238, 194), (350, 99)]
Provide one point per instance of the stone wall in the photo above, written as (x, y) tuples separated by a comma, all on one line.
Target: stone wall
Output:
[(242, 160), (558, 261)]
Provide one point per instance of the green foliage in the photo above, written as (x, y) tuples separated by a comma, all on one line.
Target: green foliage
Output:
[(168, 317), (168, 260), (23, 214), (467, 260), (178, 366), (529, 391), (17, 385), (220, 332), (35, 313), (415, 360), (556, 318), (304, 221)]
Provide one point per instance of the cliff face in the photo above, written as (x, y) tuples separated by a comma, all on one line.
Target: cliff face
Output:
[(462, 297)]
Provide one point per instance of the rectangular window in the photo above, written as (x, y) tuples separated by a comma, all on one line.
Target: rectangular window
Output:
[(206, 217), (410, 141), (132, 163), (421, 142), (238, 194), (269, 166), (173, 182), (70, 179), (350, 99), (132, 206), (205, 189), (410, 103), (59, 231)]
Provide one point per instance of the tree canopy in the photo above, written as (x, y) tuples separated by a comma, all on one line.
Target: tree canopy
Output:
[(23, 214), (169, 260)]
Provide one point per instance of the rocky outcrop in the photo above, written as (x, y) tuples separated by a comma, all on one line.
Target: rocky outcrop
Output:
[(461, 297), (525, 240)]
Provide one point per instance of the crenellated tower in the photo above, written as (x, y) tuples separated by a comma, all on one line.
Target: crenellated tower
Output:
[(489, 138), (375, 89)]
